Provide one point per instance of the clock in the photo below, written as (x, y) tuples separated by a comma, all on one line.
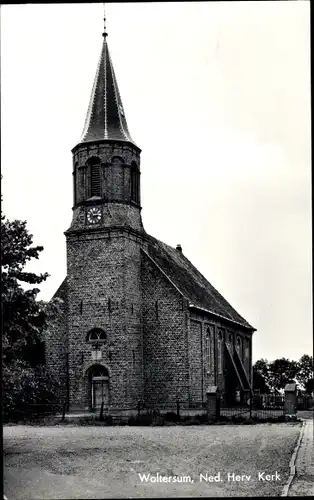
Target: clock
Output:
[(93, 215)]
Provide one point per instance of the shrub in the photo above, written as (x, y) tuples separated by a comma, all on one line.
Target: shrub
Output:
[(123, 422), (170, 416), (202, 418), (27, 392), (142, 419), (108, 419)]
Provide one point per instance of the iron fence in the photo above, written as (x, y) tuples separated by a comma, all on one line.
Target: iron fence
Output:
[(257, 406), (248, 406), (305, 402)]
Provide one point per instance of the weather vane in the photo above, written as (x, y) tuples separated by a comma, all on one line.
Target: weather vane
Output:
[(105, 32)]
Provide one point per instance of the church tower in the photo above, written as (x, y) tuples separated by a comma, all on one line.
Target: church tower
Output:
[(103, 254)]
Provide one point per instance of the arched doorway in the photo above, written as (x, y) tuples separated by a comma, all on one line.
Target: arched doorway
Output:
[(98, 386)]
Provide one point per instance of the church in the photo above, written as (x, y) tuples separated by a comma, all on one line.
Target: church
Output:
[(137, 323)]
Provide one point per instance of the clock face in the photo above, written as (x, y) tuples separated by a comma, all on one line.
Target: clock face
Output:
[(93, 215)]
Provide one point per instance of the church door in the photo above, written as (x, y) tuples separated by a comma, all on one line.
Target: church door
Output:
[(100, 388), (100, 392)]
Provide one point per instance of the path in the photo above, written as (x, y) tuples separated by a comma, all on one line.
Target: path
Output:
[(303, 482)]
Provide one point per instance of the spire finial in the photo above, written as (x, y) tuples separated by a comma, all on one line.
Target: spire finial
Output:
[(105, 32)]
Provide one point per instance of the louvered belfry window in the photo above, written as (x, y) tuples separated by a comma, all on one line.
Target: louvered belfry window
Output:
[(95, 188), (135, 183)]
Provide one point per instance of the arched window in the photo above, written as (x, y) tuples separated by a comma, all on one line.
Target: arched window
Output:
[(239, 346), (82, 174), (94, 174), (219, 352), (135, 183), (207, 350), (247, 352), (96, 335)]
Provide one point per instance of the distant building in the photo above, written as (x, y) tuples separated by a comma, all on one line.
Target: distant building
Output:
[(138, 321)]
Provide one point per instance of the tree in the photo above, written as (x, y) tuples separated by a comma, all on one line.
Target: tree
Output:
[(276, 374), (305, 372), (261, 376), (261, 366), (259, 382), (309, 386), (24, 377), (281, 372), (23, 317)]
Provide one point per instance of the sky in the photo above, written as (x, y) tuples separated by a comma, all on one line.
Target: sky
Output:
[(217, 96)]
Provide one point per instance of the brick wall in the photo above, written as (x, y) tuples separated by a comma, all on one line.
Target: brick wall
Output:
[(104, 292), (165, 349)]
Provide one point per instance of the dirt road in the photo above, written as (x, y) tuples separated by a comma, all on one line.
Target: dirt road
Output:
[(102, 462)]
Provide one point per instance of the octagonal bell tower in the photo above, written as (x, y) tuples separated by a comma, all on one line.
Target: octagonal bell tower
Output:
[(106, 162)]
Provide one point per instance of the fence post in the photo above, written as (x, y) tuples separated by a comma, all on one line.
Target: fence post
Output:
[(63, 411), (290, 404), (101, 415), (178, 409), (213, 403), (138, 408)]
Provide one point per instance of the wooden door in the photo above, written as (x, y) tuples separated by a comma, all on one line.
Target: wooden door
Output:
[(100, 392)]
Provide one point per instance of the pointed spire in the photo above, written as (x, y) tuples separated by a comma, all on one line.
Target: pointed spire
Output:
[(105, 119)]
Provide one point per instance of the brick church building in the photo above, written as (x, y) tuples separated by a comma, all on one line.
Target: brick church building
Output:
[(137, 321)]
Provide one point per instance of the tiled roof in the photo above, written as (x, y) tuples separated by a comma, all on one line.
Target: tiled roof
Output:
[(191, 283), (105, 117)]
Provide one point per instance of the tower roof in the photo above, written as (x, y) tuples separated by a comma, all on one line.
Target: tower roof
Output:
[(105, 119)]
